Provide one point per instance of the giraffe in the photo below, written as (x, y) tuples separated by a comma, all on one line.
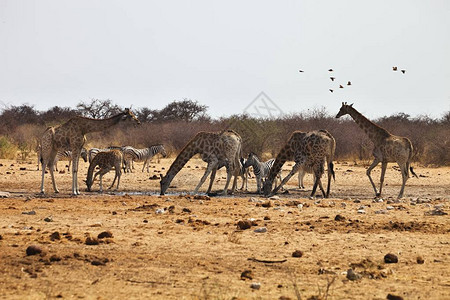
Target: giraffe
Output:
[(309, 150), (71, 136), (216, 149), (106, 161), (387, 148)]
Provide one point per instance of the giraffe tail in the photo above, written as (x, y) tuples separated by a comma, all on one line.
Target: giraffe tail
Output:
[(412, 172), (331, 168)]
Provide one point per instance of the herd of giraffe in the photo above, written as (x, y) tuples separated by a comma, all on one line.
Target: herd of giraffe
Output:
[(309, 150)]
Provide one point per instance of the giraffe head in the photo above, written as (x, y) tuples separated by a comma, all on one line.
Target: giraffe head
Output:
[(344, 109), (165, 182), (267, 187), (89, 183), (129, 115)]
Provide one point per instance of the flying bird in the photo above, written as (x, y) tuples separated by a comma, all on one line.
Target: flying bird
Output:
[(331, 90), (330, 70), (340, 86), (403, 71), (349, 83), (301, 71), (332, 78), (394, 68)]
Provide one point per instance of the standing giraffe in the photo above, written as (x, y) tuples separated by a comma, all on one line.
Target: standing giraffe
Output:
[(216, 149), (309, 150), (71, 136), (387, 147)]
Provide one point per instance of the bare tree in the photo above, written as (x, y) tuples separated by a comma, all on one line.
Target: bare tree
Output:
[(98, 109)]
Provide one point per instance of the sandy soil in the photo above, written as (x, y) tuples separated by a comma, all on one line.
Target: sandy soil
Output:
[(184, 247)]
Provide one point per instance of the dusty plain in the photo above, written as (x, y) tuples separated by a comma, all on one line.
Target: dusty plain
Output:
[(179, 246)]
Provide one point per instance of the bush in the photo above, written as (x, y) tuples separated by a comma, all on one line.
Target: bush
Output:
[(7, 149)]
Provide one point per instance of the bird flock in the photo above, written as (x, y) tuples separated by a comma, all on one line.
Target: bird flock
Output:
[(349, 83)]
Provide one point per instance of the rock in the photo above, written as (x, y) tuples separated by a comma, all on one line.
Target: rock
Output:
[(339, 218), (420, 260), (297, 253), (1, 237), (33, 250), (48, 219), (54, 258), (55, 236), (247, 274), (267, 204), (343, 204), (96, 262), (244, 224), (394, 297), (436, 212), (274, 198), (300, 206), (105, 234), (186, 210), (390, 258), (160, 211), (266, 218), (361, 211), (30, 213), (381, 212), (390, 207), (255, 200), (255, 285), (91, 241), (352, 275), (260, 230)]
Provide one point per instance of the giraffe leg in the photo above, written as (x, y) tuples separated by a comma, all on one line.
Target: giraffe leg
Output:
[(373, 165), (383, 172), (211, 180), (51, 168), (405, 175), (301, 176), (75, 159), (286, 179), (209, 168), (229, 175)]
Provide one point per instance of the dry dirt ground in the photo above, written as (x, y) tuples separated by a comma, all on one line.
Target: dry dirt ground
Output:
[(183, 247)]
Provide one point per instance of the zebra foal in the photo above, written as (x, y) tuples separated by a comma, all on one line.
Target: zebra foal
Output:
[(260, 169)]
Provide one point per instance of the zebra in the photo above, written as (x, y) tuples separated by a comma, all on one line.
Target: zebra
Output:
[(244, 172), (260, 169), (131, 154), (64, 156)]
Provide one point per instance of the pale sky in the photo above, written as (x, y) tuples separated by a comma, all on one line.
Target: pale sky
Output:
[(224, 53)]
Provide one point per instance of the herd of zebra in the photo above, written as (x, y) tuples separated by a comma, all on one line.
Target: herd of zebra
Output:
[(130, 155)]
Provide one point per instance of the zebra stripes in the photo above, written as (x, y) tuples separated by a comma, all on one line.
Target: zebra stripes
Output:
[(260, 169), (94, 151), (67, 156), (131, 154)]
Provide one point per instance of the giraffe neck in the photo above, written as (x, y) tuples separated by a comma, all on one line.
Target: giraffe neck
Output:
[(93, 125), (373, 131), (185, 155), (281, 158)]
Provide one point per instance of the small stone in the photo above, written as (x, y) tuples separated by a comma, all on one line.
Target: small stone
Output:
[(339, 218), (300, 206), (420, 260), (55, 236), (381, 212), (356, 201), (97, 263), (394, 297), (390, 207), (274, 198), (244, 224), (33, 250), (361, 211), (54, 258), (266, 218), (255, 285), (247, 274), (105, 234), (30, 213), (48, 219), (352, 275), (260, 230), (267, 204), (343, 204), (91, 241), (297, 253), (186, 210), (390, 258), (160, 211)]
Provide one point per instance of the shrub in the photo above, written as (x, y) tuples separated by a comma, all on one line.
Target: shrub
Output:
[(7, 149)]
